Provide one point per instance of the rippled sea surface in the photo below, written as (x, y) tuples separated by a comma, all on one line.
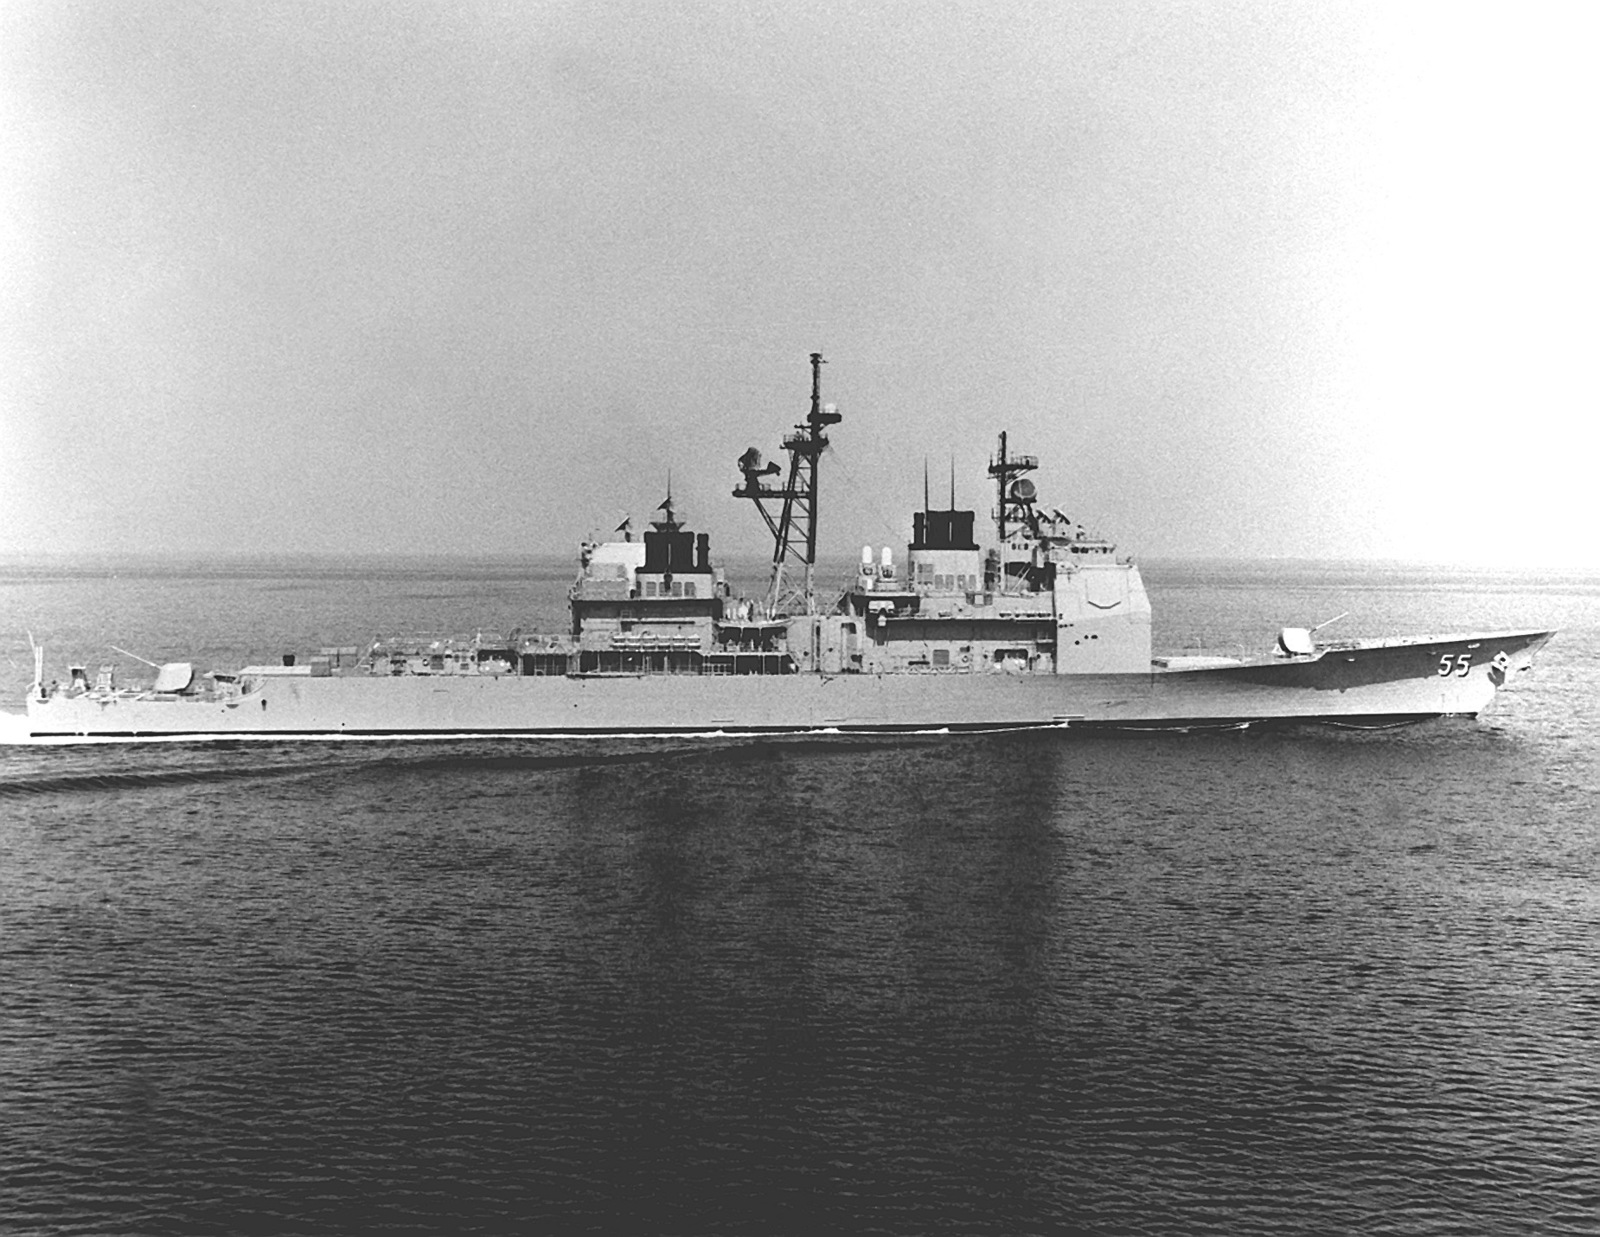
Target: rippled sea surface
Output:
[(1298, 981)]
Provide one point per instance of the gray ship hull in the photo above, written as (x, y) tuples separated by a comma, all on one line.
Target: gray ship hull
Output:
[(1355, 683)]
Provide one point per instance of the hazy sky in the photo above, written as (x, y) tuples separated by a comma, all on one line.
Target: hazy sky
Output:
[(1256, 278)]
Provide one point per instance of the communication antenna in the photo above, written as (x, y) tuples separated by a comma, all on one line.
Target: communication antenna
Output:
[(794, 526), (669, 524), (38, 665)]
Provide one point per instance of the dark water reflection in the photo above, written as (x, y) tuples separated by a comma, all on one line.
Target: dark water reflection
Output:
[(1014, 984), (1019, 984)]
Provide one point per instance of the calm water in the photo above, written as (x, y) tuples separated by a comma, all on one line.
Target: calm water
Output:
[(1296, 982)]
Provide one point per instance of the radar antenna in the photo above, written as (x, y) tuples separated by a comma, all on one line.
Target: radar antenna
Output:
[(794, 525)]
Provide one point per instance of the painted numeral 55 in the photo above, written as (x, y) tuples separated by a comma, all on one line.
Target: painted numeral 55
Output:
[(1458, 664)]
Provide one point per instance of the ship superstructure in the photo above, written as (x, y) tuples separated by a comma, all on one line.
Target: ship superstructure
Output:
[(1048, 598), (1042, 625)]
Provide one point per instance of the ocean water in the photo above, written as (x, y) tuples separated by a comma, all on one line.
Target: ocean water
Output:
[(1300, 981)]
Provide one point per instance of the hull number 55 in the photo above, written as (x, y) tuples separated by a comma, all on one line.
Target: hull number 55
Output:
[(1458, 664)]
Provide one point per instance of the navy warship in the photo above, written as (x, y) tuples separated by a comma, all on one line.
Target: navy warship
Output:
[(1045, 625)]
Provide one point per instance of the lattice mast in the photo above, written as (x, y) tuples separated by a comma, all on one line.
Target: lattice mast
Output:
[(1015, 494), (794, 527)]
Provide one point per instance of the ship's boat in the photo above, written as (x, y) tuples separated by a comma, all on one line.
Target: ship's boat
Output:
[(1045, 626)]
